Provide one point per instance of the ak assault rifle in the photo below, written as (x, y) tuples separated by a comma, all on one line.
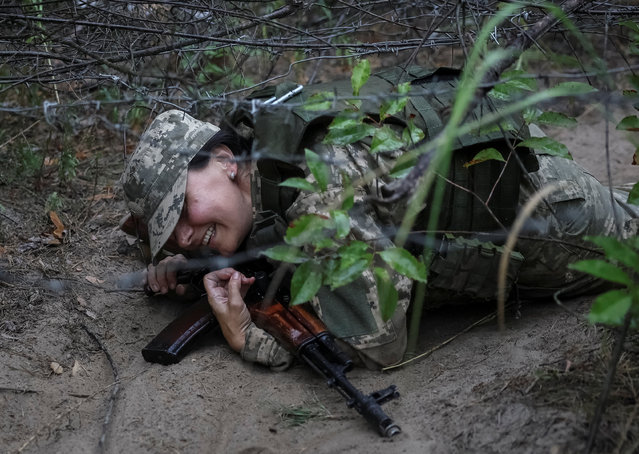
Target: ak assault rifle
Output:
[(295, 328)]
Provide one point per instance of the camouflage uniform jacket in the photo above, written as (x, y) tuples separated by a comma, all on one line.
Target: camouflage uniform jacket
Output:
[(461, 268), (352, 312)]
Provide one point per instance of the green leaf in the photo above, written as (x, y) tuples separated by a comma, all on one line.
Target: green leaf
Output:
[(556, 119), (386, 293), (404, 263), (486, 154), (571, 89), (348, 194), (285, 253), (531, 114), (322, 100), (299, 183), (503, 92), (385, 139), (306, 281), (324, 242), (514, 85), (629, 123), (345, 130), (318, 168), (361, 73), (412, 134), (546, 145), (392, 107), (520, 79), (353, 104), (354, 259), (404, 88), (617, 250), (342, 223), (403, 166), (633, 196), (307, 229), (602, 270), (631, 25), (610, 308)]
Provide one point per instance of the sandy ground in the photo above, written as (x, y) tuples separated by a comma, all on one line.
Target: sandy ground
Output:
[(530, 389)]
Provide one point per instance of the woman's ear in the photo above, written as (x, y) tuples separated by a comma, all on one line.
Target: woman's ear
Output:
[(226, 159)]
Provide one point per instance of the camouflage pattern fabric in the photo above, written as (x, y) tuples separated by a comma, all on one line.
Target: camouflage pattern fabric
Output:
[(154, 180), (553, 237), (372, 341), (260, 347), (552, 240)]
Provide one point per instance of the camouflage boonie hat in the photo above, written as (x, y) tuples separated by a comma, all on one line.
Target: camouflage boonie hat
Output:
[(154, 180)]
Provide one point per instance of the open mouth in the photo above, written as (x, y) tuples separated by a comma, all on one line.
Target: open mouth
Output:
[(207, 236)]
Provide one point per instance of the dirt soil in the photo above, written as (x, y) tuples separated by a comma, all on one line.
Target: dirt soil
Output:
[(530, 389)]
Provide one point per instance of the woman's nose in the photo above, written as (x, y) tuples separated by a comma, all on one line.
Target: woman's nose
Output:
[(183, 233)]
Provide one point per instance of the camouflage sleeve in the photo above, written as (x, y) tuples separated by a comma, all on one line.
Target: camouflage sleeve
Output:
[(260, 347), (352, 312)]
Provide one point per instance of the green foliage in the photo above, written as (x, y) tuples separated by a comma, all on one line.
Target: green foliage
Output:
[(361, 73), (215, 69), (286, 253), (395, 105), (629, 123), (487, 154), (385, 139), (306, 282), (320, 101), (30, 161), (620, 266), (555, 119), (337, 259), (308, 229), (67, 165), (404, 263), (346, 129), (516, 82), (318, 169), (633, 196), (386, 291), (296, 415), (546, 145), (54, 202)]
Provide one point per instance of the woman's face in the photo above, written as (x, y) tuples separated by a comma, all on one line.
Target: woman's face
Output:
[(217, 212)]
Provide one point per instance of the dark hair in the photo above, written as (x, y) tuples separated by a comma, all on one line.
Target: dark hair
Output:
[(240, 147)]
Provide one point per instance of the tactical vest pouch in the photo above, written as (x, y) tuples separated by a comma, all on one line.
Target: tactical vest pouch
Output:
[(469, 267), (268, 230)]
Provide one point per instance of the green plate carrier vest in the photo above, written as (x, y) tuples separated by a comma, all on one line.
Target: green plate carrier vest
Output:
[(278, 130)]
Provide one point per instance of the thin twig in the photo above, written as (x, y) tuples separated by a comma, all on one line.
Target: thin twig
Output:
[(114, 390), (524, 214), (610, 378), (481, 321)]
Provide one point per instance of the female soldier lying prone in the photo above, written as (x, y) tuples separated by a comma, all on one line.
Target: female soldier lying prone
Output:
[(194, 184)]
